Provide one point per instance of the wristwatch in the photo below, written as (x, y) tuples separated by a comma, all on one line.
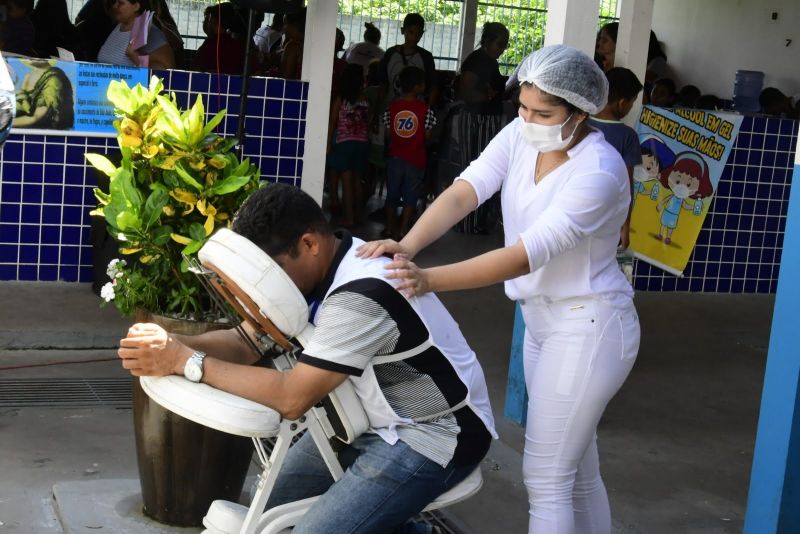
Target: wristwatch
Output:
[(193, 370)]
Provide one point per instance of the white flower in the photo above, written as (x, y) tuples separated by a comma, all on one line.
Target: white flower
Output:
[(107, 292), (114, 269), (121, 237)]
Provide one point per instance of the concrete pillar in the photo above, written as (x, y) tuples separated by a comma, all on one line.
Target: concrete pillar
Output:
[(633, 38), (572, 22), (469, 21), (772, 504), (320, 36)]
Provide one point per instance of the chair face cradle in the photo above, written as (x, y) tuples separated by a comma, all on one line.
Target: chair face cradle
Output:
[(264, 297)]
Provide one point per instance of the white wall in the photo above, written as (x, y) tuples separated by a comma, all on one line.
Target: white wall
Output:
[(707, 41)]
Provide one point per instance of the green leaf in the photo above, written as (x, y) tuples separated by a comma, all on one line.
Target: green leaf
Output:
[(124, 192), (101, 163), (194, 123), (215, 120), (111, 212), (161, 235), (101, 196), (227, 145), (193, 247), (197, 232), (152, 207), (120, 95), (186, 177), (171, 179), (229, 185), (128, 219), (170, 119)]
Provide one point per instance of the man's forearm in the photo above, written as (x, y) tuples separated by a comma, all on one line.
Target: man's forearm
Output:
[(226, 345)]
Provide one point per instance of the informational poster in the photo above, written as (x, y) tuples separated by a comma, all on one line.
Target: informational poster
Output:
[(684, 152), (67, 96)]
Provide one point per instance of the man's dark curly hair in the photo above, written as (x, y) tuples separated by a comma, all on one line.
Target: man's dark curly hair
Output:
[(275, 216)]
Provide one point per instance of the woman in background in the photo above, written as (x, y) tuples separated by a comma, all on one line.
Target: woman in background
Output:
[(367, 51), (117, 49), (474, 125)]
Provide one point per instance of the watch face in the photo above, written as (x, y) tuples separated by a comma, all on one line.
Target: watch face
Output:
[(193, 371)]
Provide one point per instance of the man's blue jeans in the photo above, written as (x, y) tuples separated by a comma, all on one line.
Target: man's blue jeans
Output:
[(382, 488)]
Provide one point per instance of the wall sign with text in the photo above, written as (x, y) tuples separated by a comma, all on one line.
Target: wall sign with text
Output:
[(66, 96)]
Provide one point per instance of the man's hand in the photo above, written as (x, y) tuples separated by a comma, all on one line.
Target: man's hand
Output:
[(149, 350)]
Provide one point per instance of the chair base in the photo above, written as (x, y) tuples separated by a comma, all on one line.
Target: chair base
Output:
[(225, 517)]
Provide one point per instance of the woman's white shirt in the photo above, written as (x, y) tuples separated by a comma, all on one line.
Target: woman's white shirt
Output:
[(569, 222)]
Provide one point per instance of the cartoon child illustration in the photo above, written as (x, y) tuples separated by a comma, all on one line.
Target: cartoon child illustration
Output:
[(687, 178), (656, 155)]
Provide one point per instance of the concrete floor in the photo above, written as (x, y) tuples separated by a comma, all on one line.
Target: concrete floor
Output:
[(676, 443)]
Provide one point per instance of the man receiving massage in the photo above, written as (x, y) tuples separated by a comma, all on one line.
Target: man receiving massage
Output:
[(421, 385)]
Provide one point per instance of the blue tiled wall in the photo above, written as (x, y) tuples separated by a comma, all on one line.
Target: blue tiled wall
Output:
[(46, 185), (739, 248)]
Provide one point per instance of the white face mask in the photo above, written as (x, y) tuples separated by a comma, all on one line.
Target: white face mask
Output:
[(545, 138), (680, 190), (640, 174)]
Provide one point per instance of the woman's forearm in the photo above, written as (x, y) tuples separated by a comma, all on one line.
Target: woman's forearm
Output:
[(450, 207), (490, 268)]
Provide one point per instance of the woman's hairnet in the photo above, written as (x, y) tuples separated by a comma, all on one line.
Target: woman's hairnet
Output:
[(568, 73)]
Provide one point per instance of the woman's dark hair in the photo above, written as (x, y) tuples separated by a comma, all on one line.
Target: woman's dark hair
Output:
[(413, 19), (144, 5), (372, 33), (276, 216), (352, 82), (228, 16), (654, 49), (493, 31), (612, 29)]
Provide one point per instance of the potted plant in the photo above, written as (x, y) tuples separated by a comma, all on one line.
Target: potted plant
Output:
[(175, 184)]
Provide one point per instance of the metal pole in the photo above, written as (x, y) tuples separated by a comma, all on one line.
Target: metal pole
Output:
[(239, 148)]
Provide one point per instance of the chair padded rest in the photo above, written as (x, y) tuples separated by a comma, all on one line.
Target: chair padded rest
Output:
[(259, 277), (349, 411), (463, 490), (212, 407)]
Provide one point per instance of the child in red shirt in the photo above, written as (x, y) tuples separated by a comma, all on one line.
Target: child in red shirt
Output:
[(408, 121)]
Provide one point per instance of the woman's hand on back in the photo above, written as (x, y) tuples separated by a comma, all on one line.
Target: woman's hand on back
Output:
[(413, 281), (374, 249)]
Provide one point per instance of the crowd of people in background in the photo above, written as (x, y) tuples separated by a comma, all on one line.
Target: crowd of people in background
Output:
[(101, 32)]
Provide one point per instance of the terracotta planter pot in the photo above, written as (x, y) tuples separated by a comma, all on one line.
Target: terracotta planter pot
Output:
[(184, 466)]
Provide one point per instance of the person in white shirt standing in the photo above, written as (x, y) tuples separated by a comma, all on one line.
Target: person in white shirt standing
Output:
[(367, 51), (565, 195)]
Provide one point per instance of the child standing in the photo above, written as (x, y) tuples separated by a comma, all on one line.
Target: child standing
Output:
[(623, 88), (408, 121), (348, 142), (378, 102)]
